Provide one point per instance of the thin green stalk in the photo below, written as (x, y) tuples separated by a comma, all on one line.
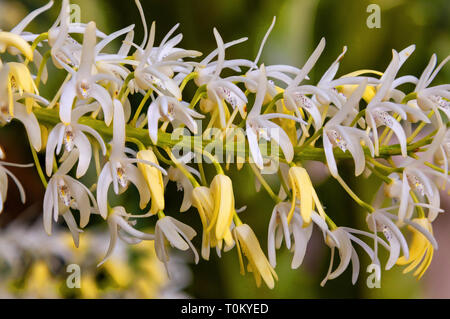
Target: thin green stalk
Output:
[(140, 107)]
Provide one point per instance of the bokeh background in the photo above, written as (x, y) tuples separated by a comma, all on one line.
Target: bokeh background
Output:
[(300, 25)]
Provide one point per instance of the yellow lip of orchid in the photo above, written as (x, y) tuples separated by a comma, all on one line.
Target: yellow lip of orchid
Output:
[(302, 186), (203, 200), (247, 242), (420, 251), (303, 189), (8, 39), (23, 81), (348, 89), (153, 177), (222, 191)]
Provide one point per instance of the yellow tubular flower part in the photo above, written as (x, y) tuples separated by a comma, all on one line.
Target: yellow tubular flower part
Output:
[(420, 251), (21, 79), (203, 200), (369, 92), (247, 243), (302, 187), (154, 179), (222, 192), (8, 39), (286, 124)]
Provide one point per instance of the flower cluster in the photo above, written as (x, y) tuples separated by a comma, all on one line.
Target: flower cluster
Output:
[(399, 137), (34, 265)]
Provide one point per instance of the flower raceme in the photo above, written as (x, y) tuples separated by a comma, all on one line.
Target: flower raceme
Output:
[(93, 135)]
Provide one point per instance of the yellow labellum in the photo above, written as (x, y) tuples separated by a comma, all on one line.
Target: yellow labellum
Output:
[(8, 39), (154, 179), (20, 78), (348, 90), (222, 192), (420, 251), (247, 243), (203, 200), (302, 186)]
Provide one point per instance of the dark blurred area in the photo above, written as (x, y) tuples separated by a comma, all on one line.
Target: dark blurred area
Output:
[(300, 25)]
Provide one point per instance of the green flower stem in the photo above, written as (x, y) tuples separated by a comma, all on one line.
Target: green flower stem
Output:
[(267, 108), (357, 117), (140, 107), (263, 182), (38, 166), (420, 211), (182, 168), (189, 77), (125, 85), (355, 197), (39, 39), (419, 128), (41, 67), (202, 173), (51, 117), (201, 92)]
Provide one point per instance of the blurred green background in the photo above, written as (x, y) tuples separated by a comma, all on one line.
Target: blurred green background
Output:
[(300, 25)]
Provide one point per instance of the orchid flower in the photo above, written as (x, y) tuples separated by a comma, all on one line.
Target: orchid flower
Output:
[(259, 125), (156, 65), (183, 184), (436, 97), (63, 191), (83, 83), (120, 226), (223, 89), (66, 51), (344, 137), (348, 253), (178, 234), (71, 136), (377, 111), (4, 173), (119, 170), (170, 109), (295, 94), (416, 178), (279, 228), (247, 242)]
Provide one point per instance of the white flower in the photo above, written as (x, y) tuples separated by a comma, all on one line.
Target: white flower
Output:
[(223, 89), (155, 66), (65, 50), (379, 221), (11, 105), (416, 178), (344, 137), (279, 229), (170, 109), (4, 173), (183, 184), (347, 253), (72, 135), (120, 226), (377, 111), (83, 84), (436, 97), (63, 193), (259, 125), (178, 234), (119, 170), (295, 94)]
